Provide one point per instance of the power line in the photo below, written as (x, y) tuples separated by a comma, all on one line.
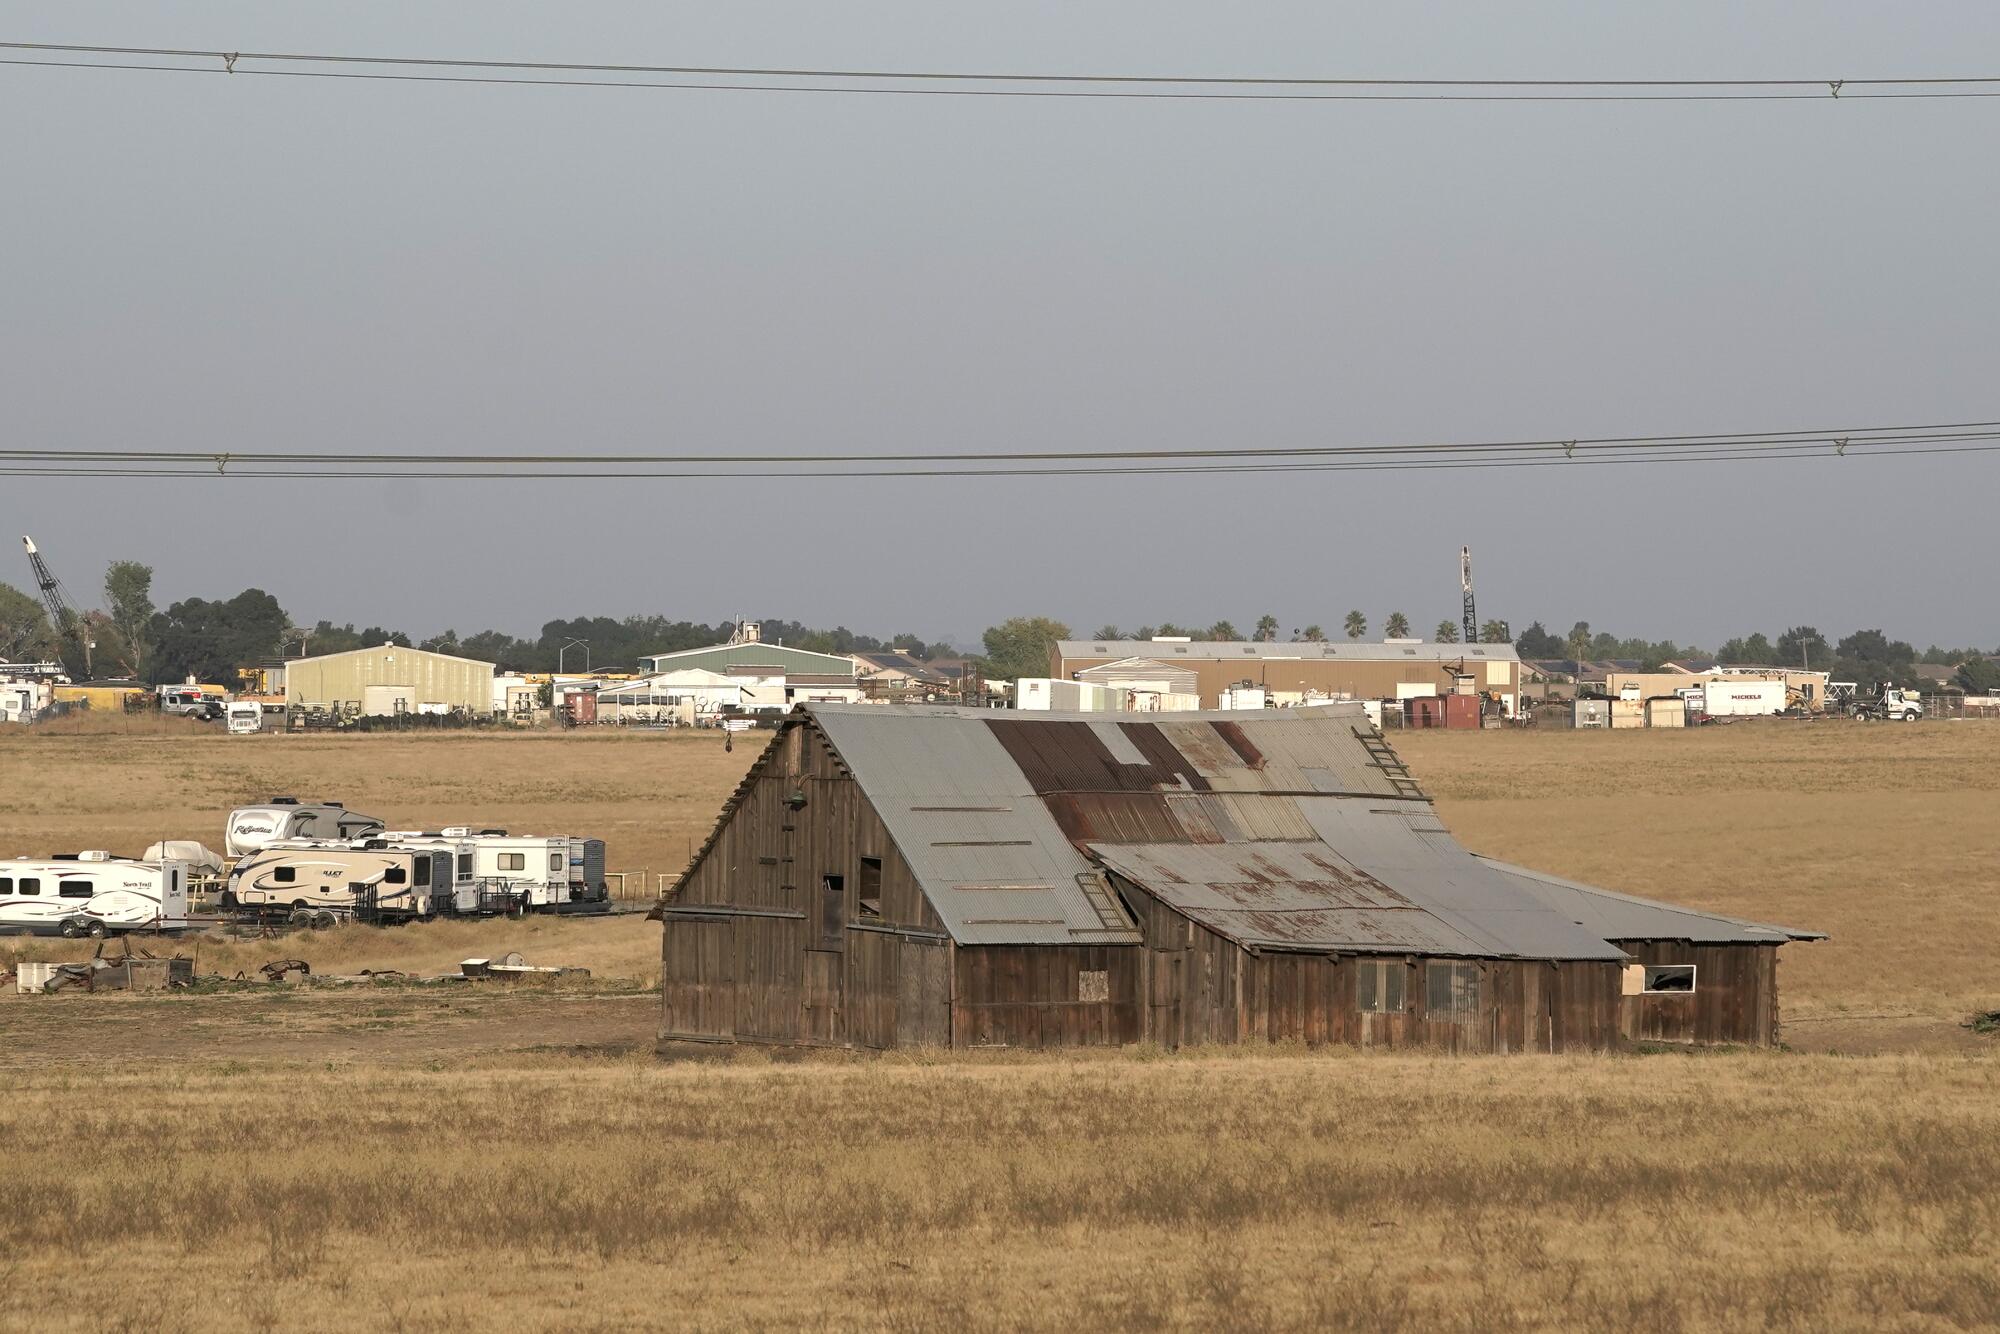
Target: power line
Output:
[(540, 470), (998, 84), (1837, 438)]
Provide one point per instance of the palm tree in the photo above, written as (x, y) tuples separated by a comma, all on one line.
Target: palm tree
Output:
[(1267, 627), (1223, 630), (1398, 626), (1315, 635), (1447, 632), (1357, 625)]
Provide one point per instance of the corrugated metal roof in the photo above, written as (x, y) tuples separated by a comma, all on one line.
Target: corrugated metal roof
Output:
[(1237, 650), (967, 821), (1279, 830), (1625, 917)]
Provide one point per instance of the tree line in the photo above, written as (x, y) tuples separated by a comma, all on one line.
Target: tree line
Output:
[(209, 639)]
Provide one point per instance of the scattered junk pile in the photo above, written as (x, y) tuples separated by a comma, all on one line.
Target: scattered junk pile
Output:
[(138, 969), (304, 864), (134, 970)]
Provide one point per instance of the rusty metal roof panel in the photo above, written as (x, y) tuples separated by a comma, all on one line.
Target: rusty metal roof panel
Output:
[(1617, 916)]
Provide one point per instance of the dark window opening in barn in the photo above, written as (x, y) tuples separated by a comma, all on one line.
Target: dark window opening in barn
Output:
[(1452, 989), (869, 891), (1094, 985), (832, 911), (1669, 979), (74, 889), (1381, 986)]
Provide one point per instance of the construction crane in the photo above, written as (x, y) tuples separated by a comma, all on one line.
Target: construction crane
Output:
[(1465, 582), (68, 626)]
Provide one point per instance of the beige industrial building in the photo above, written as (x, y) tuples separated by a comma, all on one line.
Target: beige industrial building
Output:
[(1396, 669), (390, 679)]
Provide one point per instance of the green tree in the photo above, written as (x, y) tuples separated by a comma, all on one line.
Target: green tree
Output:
[(1447, 632), (1223, 631), (1356, 625), (1494, 632), (210, 640), (1537, 642), (1267, 627), (1398, 626), (1979, 676), (128, 600), (24, 628), (1577, 644), (1109, 632), (1803, 646), (1315, 635), (1021, 646)]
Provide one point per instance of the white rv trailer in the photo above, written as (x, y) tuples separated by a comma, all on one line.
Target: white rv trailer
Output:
[(244, 716), (458, 853), (91, 894), (285, 819), (536, 867), (343, 879)]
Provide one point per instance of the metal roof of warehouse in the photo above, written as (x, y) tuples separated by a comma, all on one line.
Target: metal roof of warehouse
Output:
[(1166, 650), (1279, 830)]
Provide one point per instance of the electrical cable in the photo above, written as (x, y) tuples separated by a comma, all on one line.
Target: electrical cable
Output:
[(723, 78)]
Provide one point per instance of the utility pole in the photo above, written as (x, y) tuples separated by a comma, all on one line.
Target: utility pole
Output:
[(1465, 582)]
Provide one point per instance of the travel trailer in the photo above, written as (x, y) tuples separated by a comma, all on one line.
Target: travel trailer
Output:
[(586, 871), (343, 880), (245, 716), (467, 895), (92, 894), (285, 819)]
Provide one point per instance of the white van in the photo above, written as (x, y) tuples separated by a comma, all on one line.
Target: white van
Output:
[(284, 819), (92, 894), (245, 716)]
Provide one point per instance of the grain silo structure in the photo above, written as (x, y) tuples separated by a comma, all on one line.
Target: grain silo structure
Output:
[(390, 679)]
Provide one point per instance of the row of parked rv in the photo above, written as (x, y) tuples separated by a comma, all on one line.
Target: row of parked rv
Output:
[(312, 863)]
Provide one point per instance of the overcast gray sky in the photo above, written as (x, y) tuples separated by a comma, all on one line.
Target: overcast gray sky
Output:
[(199, 262)]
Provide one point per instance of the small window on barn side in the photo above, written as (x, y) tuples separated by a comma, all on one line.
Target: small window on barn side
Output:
[(868, 892), (832, 912), (1669, 979), (1451, 990), (1381, 986), (1093, 984)]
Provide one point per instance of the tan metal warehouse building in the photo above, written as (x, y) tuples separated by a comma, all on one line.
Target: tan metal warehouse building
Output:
[(391, 679), (1359, 671)]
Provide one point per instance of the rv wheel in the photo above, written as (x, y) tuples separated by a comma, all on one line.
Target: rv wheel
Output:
[(301, 916), (95, 930), (324, 921), (71, 930)]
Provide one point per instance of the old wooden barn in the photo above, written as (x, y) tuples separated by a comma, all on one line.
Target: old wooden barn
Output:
[(893, 876)]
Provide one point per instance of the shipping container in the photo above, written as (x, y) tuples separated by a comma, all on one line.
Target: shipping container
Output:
[(1668, 712), (1627, 713), (1742, 699), (1593, 713), (1462, 711), (1423, 711)]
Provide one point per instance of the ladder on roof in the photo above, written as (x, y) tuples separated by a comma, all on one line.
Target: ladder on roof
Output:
[(1382, 756), (1097, 892)]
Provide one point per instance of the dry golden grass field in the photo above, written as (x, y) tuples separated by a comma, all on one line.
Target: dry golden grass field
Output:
[(444, 1157)]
